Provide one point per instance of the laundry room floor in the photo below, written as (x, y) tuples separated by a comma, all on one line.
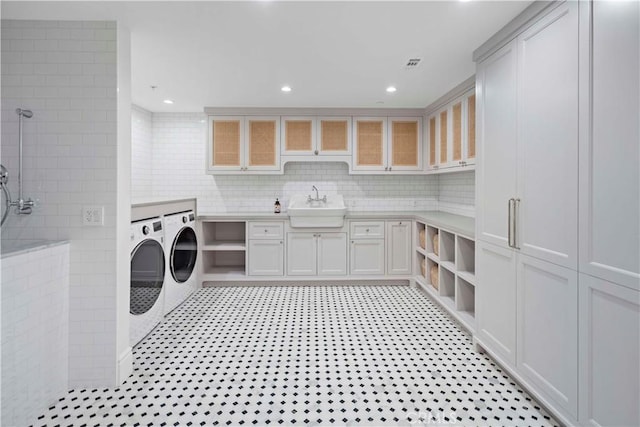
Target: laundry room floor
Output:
[(306, 355)]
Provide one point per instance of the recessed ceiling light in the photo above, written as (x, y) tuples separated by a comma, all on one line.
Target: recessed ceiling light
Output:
[(391, 89), (286, 88), (168, 101)]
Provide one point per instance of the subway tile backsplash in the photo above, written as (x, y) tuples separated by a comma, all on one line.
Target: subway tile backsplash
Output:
[(176, 168)]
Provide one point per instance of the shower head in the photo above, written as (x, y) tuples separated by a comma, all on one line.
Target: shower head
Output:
[(24, 113)]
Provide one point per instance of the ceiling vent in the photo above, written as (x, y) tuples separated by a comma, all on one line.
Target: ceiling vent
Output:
[(412, 63)]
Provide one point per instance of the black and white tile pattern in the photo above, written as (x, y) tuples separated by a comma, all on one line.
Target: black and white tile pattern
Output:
[(312, 355)]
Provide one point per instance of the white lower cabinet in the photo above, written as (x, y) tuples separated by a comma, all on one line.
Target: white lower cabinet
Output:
[(398, 237), (609, 353), (367, 257), (527, 316), (547, 329), (311, 254), (266, 257), (496, 300)]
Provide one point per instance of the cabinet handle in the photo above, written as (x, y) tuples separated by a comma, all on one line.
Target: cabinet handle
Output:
[(516, 207), (367, 230), (315, 152), (389, 167), (509, 222), (280, 241), (352, 242), (265, 231), (386, 168)]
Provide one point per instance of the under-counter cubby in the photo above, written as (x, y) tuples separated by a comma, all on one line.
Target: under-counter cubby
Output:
[(466, 299), (452, 258), (224, 249)]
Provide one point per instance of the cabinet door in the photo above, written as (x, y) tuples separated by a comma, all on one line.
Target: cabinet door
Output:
[(367, 257), (332, 254), (457, 129), (496, 300), (547, 181), (432, 142), (225, 148), (370, 139), (496, 167), (266, 257), (334, 135), (298, 136), (399, 247), (263, 143), (469, 154), (547, 343), (609, 151), (609, 353), (301, 254), (405, 143)]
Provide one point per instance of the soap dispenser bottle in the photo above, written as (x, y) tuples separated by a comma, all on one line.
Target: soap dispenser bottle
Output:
[(276, 206)]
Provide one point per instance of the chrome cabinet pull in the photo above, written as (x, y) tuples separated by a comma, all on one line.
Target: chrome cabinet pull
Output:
[(516, 208), (509, 222)]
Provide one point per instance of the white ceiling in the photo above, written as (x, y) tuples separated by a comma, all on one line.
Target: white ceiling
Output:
[(333, 54)]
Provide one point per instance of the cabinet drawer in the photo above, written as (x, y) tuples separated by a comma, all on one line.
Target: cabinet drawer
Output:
[(367, 230), (266, 230)]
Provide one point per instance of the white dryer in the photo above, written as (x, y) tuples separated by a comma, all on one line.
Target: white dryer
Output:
[(181, 246), (148, 271)]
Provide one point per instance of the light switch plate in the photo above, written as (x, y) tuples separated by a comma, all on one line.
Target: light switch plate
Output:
[(93, 215)]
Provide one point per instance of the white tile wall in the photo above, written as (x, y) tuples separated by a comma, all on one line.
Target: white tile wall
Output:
[(179, 164), (35, 332), (65, 71), (141, 153), (456, 192)]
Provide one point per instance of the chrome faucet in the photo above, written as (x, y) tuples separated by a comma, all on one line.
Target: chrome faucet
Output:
[(317, 199)]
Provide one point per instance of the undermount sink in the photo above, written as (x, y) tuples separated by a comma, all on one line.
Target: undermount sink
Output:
[(316, 213)]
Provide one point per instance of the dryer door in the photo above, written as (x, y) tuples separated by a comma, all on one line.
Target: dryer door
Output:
[(147, 276), (184, 252)]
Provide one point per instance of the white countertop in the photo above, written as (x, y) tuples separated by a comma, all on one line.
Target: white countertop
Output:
[(455, 223)]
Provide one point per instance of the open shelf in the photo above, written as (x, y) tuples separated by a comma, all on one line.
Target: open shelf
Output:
[(447, 246), (431, 250), (421, 228), (466, 298), (466, 256), (224, 249), (223, 232), (224, 262), (453, 257)]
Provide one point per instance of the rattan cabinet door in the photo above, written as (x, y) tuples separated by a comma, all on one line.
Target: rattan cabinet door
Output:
[(263, 143), (334, 135), (298, 136), (370, 152), (405, 143), (433, 142), (470, 146), (225, 151)]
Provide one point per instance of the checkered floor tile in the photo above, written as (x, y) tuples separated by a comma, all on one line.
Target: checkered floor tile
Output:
[(308, 355)]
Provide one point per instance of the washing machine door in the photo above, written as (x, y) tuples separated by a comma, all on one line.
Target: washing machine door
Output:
[(147, 276), (184, 252)]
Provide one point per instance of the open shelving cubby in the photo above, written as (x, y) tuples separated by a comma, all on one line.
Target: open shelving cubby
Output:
[(453, 256), (224, 248)]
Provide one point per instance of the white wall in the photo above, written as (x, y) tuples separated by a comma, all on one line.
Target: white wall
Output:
[(141, 153), (66, 73), (35, 332), (177, 165)]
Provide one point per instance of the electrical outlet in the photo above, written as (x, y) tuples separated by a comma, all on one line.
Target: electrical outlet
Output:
[(93, 215)]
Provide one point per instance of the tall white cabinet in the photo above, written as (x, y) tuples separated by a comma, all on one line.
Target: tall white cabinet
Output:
[(558, 229)]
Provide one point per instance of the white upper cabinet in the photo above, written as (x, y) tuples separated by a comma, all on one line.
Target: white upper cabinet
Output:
[(392, 144), (299, 136), (529, 132), (451, 139), (547, 209), (316, 136), (241, 144), (609, 150), (496, 129), (333, 136)]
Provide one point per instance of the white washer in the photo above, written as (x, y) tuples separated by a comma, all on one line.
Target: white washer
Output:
[(148, 271), (181, 247)]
